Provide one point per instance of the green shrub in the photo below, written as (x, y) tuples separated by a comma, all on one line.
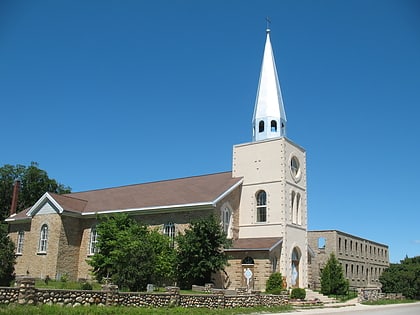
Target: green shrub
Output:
[(298, 294), (64, 277), (86, 286), (274, 283)]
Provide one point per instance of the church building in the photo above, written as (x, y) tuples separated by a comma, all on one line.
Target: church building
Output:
[(261, 204)]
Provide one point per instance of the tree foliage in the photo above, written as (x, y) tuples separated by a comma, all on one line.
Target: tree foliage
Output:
[(34, 183), (332, 278), (200, 252), (7, 257), (403, 278), (130, 254)]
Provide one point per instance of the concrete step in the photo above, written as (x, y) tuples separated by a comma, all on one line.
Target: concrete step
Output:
[(312, 295)]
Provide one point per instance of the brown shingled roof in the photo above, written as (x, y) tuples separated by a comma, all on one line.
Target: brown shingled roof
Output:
[(264, 243), (181, 191), (194, 190)]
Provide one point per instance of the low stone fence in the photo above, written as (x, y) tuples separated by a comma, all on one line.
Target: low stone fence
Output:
[(9, 295), (26, 293), (375, 294)]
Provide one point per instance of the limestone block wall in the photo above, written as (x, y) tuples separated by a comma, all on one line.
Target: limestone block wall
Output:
[(84, 269), (32, 262), (69, 248), (262, 270), (363, 260)]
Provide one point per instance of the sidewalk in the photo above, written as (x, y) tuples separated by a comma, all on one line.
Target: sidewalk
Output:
[(346, 307)]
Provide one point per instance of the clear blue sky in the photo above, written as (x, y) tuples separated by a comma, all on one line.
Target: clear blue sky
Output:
[(110, 93)]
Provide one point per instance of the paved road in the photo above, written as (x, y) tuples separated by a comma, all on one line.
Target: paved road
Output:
[(395, 309)]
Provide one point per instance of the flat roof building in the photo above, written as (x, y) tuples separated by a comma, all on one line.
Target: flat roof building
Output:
[(363, 260)]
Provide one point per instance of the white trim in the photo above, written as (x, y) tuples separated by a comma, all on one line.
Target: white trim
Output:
[(41, 201), (175, 207), (227, 192)]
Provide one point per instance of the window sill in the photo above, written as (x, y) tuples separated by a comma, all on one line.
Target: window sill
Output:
[(18, 254), (41, 253)]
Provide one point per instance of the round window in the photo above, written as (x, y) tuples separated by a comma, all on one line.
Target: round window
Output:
[(295, 167)]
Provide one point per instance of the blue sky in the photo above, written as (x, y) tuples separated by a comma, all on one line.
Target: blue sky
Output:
[(110, 93)]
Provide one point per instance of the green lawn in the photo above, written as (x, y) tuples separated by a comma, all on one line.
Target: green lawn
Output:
[(68, 285), (97, 310), (385, 302)]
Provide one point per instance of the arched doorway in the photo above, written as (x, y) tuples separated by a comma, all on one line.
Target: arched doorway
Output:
[(295, 267), (248, 273)]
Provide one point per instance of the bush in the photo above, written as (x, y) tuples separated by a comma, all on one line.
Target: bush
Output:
[(86, 286), (274, 283), (298, 294)]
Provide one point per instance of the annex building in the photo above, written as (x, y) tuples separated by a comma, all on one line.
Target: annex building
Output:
[(363, 261), (261, 203)]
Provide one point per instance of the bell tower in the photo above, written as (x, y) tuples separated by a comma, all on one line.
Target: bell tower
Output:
[(273, 168)]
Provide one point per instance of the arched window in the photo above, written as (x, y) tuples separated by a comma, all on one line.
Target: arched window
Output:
[(226, 218), (261, 126), (247, 261), (169, 230), (273, 126), (293, 205), (261, 206), (274, 264), (298, 214), (93, 241), (19, 246), (295, 267), (43, 239)]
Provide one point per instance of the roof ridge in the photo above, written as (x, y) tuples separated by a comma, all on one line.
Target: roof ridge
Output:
[(145, 183), (68, 195)]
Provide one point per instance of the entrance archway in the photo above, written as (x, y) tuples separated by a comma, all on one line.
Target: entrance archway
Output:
[(295, 267)]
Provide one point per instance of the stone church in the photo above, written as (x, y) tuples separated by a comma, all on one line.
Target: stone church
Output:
[(261, 203)]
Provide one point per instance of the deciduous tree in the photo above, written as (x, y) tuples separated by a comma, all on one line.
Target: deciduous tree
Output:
[(200, 252), (34, 183), (7, 257), (403, 278), (130, 254)]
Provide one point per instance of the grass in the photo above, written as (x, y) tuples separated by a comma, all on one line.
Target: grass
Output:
[(104, 310), (67, 285), (386, 302)]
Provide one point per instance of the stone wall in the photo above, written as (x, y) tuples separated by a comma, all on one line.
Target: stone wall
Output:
[(375, 294), (27, 294), (9, 295)]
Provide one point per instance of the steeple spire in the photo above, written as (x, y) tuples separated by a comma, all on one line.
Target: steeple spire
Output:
[(269, 120)]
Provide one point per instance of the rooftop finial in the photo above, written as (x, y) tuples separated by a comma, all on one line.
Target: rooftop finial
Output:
[(268, 24)]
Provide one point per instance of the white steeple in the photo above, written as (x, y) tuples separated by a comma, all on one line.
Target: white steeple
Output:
[(269, 119)]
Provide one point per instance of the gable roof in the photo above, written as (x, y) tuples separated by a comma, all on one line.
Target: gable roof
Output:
[(196, 191)]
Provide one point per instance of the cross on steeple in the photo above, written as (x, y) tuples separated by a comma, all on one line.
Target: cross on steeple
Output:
[(268, 23)]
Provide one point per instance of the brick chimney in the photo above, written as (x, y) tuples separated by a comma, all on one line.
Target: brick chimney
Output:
[(16, 188)]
